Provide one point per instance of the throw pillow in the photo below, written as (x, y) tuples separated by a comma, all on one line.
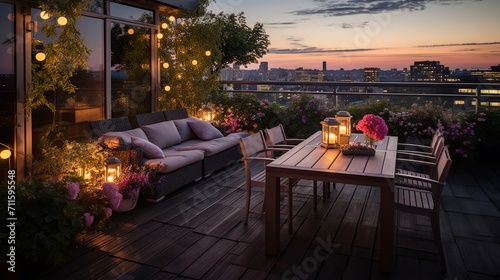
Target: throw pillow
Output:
[(184, 129), (149, 150), (162, 134), (205, 130)]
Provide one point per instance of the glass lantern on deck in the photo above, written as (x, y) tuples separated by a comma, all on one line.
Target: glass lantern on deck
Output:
[(344, 118), (330, 133), (113, 168), (207, 113)]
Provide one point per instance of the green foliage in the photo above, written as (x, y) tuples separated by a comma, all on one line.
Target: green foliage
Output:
[(302, 116), (48, 222), (240, 43), (244, 112), (68, 158), (65, 53)]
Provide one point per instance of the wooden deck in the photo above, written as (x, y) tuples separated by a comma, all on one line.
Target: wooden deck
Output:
[(197, 233)]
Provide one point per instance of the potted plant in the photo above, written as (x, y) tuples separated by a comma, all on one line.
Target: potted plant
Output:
[(130, 183)]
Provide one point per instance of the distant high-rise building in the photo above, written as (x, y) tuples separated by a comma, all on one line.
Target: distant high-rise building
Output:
[(428, 71), (489, 75), (308, 75), (264, 66), (371, 74), (324, 66)]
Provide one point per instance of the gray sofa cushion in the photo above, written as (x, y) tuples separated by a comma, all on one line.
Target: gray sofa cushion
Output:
[(149, 150), (124, 138), (210, 147), (162, 134), (184, 130), (205, 130), (174, 160)]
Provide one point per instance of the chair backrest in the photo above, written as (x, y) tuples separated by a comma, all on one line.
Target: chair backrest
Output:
[(443, 165), (437, 135), (437, 146), (275, 135), (252, 144)]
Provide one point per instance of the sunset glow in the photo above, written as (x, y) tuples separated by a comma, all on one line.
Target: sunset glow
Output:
[(381, 33)]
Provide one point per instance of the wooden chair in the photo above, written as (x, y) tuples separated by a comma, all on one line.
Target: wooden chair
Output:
[(407, 160), (418, 149), (276, 137), (420, 194), (254, 148)]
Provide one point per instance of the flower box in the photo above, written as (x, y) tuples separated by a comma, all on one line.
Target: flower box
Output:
[(364, 151)]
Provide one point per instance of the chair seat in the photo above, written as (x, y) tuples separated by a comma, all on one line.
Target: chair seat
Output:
[(411, 198)]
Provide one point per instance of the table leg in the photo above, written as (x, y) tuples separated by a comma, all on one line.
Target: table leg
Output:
[(272, 216), (387, 233)]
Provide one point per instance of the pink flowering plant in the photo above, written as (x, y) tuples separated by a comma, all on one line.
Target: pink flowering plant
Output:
[(133, 178), (52, 215), (373, 127)]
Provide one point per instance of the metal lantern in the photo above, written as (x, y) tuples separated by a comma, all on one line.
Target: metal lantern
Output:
[(207, 113), (330, 133), (344, 118), (113, 168)]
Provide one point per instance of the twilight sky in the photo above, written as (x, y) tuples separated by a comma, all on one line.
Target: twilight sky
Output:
[(353, 34)]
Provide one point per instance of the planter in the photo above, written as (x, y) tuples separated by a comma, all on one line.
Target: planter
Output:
[(364, 152), (130, 203)]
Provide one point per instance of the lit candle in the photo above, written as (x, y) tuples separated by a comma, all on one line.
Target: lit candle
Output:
[(343, 129), (332, 138)]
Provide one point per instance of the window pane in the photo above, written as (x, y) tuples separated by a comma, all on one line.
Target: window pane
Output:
[(97, 6), (130, 70), (74, 110), (131, 13)]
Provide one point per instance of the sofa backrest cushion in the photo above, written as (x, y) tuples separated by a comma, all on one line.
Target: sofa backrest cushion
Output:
[(184, 129), (205, 130), (149, 150), (176, 114), (162, 134), (121, 139)]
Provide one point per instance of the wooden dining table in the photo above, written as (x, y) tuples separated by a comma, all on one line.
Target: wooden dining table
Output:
[(309, 160)]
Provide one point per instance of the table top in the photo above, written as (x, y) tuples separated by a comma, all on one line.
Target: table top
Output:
[(309, 160)]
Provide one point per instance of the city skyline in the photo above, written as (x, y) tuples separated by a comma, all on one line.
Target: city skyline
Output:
[(353, 34)]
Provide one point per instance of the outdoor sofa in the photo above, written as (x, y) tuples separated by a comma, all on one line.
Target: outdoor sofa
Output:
[(185, 149)]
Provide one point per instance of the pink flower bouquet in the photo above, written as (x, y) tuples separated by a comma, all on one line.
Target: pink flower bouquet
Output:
[(373, 127)]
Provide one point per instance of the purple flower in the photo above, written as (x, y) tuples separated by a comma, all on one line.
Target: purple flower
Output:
[(108, 212), (73, 190), (115, 201), (109, 190), (89, 219)]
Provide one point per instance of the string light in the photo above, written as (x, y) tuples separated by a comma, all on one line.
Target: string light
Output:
[(130, 31), (40, 56), (194, 62), (62, 21), (165, 65), (171, 18), (159, 35), (167, 88), (208, 53), (44, 15), (164, 25)]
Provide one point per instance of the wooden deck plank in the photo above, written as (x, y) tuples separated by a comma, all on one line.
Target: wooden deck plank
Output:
[(154, 242)]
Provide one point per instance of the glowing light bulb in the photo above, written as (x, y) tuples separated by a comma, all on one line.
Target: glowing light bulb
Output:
[(40, 56), (194, 62), (5, 154), (62, 21), (164, 25), (171, 18), (167, 88), (159, 35), (130, 31), (44, 15), (166, 65), (208, 53)]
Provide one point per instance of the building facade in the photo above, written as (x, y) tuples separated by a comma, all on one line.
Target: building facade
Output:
[(114, 31)]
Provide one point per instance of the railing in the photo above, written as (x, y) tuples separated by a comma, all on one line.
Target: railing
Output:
[(462, 94)]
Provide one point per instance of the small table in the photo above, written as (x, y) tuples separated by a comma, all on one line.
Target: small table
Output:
[(309, 160)]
